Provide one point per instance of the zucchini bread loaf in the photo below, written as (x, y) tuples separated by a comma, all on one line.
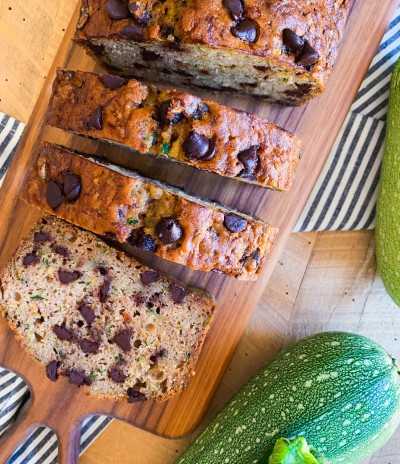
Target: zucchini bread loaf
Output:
[(107, 322), (177, 226), (174, 125), (280, 50)]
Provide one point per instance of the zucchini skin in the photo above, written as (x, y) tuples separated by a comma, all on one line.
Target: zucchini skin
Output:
[(388, 206), (339, 391)]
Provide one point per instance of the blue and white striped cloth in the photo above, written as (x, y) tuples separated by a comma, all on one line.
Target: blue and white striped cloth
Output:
[(344, 198)]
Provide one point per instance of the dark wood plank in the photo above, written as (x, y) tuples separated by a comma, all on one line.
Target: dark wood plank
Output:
[(61, 406)]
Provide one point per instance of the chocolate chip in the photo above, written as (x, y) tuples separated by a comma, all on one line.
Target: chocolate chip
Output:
[(62, 333), (162, 114), (40, 237), (133, 6), (113, 82), (76, 378), (199, 147), (87, 312), (178, 293), (132, 31), (203, 108), (234, 223), (169, 230), (104, 291), (80, 324), (96, 120), (72, 186), (89, 346), (247, 175), (147, 55), (292, 41), (30, 258), (54, 195), (135, 396), (117, 9), (235, 8), (51, 371), (61, 251), (159, 354), (67, 277), (246, 30), (145, 242), (308, 56), (149, 277), (123, 340), (249, 158), (116, 374)]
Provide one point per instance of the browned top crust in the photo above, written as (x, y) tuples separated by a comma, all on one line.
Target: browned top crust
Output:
[(159, 123), (212, 23), (176, 226)]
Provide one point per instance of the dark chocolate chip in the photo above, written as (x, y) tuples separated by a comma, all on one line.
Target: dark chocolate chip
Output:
[(132, 31), (247, 175), (133, 6), (104, 291), (178, 293), (51, 371), (67, 277), (117, 9), (96, 120), (162, 114), (61, 251), (308, 56), (72, 186), (87, 312), (203, 108), (246, 30), (123, 340), (76, 378), (234, 223), (135, 396), (169, 230), (249, 158), (80, 324), (162, 353), (116, 374), (147, 55), (54, 195), (89, 346), (149, 277), (30, 258), (145, 242), (62, 333), (113, 82), (292, 41), (235, 8), (40, 237), (199, 147)]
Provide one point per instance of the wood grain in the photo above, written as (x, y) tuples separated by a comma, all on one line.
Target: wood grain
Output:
[(327, 113)]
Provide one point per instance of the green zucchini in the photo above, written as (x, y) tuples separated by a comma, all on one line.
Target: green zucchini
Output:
[(388, 207), (339, 391)]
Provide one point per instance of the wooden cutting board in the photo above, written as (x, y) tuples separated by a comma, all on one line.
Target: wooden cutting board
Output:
[(62, 406)]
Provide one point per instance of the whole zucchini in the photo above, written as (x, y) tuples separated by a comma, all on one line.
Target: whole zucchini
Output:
[(339, 391), (388, 208)]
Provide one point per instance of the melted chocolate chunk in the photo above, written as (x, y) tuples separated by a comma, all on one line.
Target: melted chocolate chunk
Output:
[(292, 41), (123, 340), (113, 82), (162, 114), (89, 346), (63, 333), (40, 237), (54, 195), (133, 32), (234, 223), (249, 158), (96, 120), (145, 242), (117, 9), (199, 147), (246, 30), (76, 378), (308, 57), (149, 277), (67, 277), (235, 8), (30, 258), (51, 371), (115, 373), (169, 230), (104, 291), (87, 313), (135, 396), (61, 251), (177, 293), (72, 186)]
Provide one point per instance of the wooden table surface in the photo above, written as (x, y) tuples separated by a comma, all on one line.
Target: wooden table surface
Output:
[(324, 281)]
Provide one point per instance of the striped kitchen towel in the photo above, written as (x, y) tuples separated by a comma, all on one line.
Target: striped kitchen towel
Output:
[(344, 198)]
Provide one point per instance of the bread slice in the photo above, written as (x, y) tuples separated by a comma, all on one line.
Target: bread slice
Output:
[(174, 125), (182, 228), (278, 50), (107, 322)]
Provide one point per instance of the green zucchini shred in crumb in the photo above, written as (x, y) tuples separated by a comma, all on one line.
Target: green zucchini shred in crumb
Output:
[(165, 148), (132, 221), (92, 375), (139, 358), (37, 297), (21, 278), (101, 370), (117, 357)]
